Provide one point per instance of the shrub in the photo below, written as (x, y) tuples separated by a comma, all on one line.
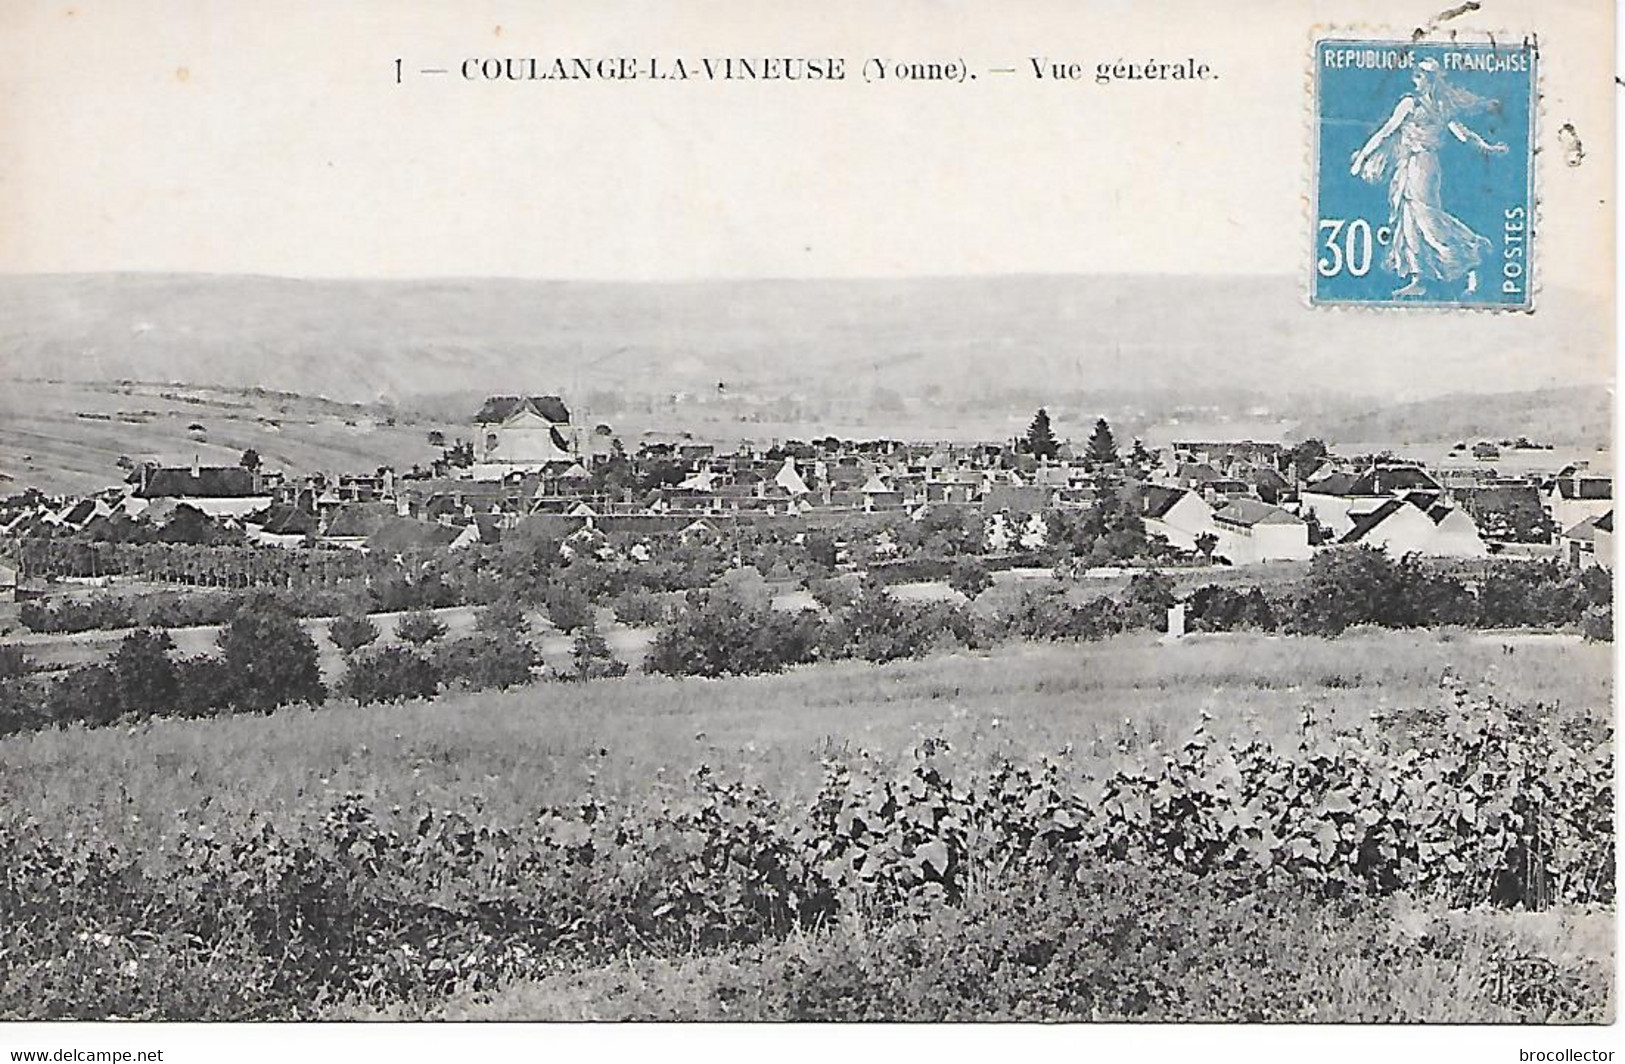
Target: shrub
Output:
[(1212, 608), (145, 673), (639, 608), (352, 631), (969, 577), (392, 673), (24, 706), (1598, 624), (745, 584), (1146, 603), (76, 615), (592, 658), (506, 619), (272, 660), (718, 635), (1049, 614), (89, 694), (420, 628), (1346, 586), (834, 593), (877, 627), (14, 662), (486, 659), (203, 686), (567, 607), (1598, 585)]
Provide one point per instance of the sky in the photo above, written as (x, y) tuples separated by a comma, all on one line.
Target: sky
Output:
[(272, 138)]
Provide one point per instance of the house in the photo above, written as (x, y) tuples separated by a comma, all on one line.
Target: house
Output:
[(1404, 526), (1602, 539), (1589, 543), (699, 531), (1177, 515), (878, 493), (219, 491), (1229, 456), (1023, 500), (483, 530), (791, 481), (1338, 500), (352, 525), (515, 433), (1251, 531), (1576, 495), (282, 525)]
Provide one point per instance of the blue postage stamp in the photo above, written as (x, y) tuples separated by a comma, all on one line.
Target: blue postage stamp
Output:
[(1423, 177)]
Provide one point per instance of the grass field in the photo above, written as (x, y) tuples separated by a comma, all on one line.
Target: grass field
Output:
[(520, 749), (160, 794), (67, 437)]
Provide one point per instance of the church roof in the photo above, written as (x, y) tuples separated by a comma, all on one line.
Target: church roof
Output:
[(499, 408)]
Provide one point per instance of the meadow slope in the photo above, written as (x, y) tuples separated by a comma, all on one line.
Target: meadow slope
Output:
[(524, 748)]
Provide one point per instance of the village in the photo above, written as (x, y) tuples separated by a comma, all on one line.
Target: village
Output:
[(527, 465)]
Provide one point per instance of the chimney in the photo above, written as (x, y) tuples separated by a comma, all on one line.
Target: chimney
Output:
[(196, 470)]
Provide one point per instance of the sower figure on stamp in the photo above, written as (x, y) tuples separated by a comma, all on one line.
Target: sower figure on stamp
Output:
[(1429, 244)]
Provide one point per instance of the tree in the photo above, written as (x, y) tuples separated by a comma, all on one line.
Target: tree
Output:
[(145, 672), (1345, 586), (250, 460), (353, 631), (420, 627), (1304, 458), (1041, 437), (271, 660), (1206, 544), (1102, 448), (821, 548)]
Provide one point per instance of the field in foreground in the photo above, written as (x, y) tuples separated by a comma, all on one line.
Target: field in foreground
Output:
[(540, 744), (1039, 832)]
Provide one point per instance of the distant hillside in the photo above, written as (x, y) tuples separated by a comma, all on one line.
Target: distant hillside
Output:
[(960, 338), (69, 438), (1581, 416)]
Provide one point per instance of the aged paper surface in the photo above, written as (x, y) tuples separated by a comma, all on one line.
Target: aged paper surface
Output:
[(709, 511)]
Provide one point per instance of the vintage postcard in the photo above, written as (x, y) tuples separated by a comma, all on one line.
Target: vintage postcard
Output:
[(1036, 513)]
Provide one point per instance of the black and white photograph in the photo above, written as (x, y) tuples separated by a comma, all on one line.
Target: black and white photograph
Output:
[(707, 520)]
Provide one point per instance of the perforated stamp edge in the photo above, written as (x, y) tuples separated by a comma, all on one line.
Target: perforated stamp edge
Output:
[(1433, 33)]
